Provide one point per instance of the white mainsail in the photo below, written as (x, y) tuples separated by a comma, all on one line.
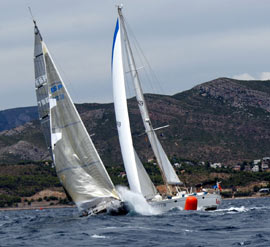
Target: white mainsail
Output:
[(166, 168), (76, 160), (138, 179)]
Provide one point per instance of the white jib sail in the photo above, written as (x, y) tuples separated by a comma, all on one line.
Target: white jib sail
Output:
[(121, 113), (138, 178), (162, 159), (77, 162)]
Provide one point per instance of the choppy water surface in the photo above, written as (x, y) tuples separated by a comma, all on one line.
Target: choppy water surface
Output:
[(244, 222)]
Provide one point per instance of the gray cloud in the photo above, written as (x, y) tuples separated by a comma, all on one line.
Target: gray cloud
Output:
[(186, 42)]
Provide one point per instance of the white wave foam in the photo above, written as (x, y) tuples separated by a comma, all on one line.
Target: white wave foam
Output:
[(137, 202), (109, 227), (97, 236), (237, 209), (259, 208), (187, 230), (180, 208), (233, 209)]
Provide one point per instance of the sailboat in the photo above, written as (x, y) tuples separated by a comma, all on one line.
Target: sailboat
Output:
[(77, 163), (138, 179)]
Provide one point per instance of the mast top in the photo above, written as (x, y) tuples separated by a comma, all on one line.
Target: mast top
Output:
[(119, 8), (35, 23), (33, 19)]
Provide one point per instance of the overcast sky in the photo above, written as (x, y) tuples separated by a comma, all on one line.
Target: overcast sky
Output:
[(186, 42)]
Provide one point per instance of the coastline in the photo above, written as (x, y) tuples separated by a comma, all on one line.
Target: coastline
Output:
[(40, 207), (246, 197), (46, 206)]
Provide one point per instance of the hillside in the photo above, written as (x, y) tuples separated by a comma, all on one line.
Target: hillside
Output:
[(223, 120), (12, 118)]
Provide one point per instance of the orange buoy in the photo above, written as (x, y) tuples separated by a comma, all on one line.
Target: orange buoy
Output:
[(191, 203)]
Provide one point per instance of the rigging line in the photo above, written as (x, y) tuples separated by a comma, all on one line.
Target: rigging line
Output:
[(128, 87), (151, 75), (128, 82), (150, 83), (146, 73), (138, 47)]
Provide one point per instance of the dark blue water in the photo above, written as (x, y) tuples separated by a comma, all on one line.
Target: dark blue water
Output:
[(244, 222)]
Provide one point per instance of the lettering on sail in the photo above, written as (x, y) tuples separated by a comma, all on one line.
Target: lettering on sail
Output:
[(40, 80), (55, 89), (43, 101)]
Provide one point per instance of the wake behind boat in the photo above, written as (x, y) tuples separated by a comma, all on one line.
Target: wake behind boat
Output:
[(176, 195)]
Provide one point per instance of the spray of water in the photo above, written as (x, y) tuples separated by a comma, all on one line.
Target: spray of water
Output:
[(137, 202)]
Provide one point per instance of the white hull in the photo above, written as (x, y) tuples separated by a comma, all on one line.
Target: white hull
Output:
[(205, 202)]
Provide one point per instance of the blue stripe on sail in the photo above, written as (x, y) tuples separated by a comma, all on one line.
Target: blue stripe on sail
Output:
[(76, 167), (114, 38)]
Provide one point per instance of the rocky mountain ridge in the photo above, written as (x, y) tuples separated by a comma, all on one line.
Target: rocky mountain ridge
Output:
[(12, 118), (223, 120)]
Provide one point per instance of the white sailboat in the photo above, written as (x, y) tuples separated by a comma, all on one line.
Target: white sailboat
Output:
[(175, 196), (77, 163)]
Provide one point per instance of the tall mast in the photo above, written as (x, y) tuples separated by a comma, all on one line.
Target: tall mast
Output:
[(140, 98)]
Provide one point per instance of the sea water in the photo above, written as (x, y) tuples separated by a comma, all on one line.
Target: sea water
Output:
[(240, 222)]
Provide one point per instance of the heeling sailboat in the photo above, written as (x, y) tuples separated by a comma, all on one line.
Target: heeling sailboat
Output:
[(174, 195), (76, 160)]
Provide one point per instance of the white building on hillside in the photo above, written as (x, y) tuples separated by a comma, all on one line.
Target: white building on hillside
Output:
[(216, 165), (256, 162), (255, 168)]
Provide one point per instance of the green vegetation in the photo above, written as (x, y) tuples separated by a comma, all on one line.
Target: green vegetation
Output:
[(27, 185), (244, 178), (24, 180), (28, 178), (8, 200)]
